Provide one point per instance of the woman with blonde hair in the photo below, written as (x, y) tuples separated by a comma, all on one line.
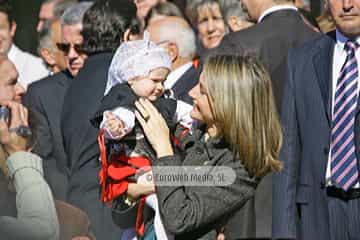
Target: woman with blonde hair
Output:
[(242, 135)]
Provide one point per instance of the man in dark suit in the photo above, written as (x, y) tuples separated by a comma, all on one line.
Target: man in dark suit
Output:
[(177, 37), (319, 185), (105, 27), (44, 99), (279, 28)]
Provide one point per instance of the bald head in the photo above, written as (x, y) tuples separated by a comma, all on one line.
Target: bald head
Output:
[(174, 30)]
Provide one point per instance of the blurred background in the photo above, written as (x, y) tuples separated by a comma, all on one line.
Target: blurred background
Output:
[(26, 15)]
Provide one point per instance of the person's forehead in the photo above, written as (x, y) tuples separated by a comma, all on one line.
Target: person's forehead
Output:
[(206, 10), (72, 29), (3, 18), (72, 32)]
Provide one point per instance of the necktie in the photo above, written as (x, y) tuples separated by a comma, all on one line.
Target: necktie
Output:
[(344, 170)]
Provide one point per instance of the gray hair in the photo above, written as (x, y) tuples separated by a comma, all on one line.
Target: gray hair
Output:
[(232, 8), (74, 14), (61, 6), (45, 36), (193, 7), (182, 35)]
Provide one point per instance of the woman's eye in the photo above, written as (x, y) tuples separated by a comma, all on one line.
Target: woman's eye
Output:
[(204, 20)]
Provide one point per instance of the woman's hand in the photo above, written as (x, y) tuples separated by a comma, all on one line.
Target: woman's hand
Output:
[(10, 141), (9, 138), (155, 128), (135, 190)]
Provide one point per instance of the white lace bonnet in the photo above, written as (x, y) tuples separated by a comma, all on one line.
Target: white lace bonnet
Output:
[(136, 58)]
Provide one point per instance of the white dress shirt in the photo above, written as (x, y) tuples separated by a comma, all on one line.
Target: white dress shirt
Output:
[(176, 74), (338, 61), (274, 9), (29, 67)]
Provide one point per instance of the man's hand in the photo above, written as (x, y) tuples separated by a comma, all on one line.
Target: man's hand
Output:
[(9, 139)]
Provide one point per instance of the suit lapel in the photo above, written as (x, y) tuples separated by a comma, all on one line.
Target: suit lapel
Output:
[(184, 81), (323, 61)]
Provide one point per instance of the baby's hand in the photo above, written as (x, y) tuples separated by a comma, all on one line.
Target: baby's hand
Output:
[(114, 125)]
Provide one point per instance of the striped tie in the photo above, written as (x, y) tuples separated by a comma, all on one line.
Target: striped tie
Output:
[(344, 170)]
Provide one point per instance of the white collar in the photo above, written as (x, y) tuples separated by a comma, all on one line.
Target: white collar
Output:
[(341, 40), (12, 52), (176, 74), (274, 9)]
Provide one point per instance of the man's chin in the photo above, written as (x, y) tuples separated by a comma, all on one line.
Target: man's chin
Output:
[(74, 72)]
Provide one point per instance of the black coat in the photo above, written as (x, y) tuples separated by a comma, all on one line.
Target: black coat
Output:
[(195, 212), (44, 99), (270, 40), (80, 142), (185, 83)]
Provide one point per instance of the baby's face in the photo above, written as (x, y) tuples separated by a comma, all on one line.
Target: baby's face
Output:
[(150, 87)]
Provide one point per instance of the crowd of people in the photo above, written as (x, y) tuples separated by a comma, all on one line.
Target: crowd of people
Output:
[(131, 107)]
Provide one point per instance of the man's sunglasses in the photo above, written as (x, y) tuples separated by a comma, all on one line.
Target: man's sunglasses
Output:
[(65, 47)]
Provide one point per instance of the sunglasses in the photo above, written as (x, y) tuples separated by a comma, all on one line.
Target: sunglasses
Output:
[(65, 47)]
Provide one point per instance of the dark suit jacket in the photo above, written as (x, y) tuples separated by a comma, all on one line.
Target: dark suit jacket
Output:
[(44, 99), (270, 40), (185, 83), (299, 190), (80, 141)]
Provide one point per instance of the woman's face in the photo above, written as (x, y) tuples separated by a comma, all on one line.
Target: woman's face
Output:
[(211, 26), (202, 107)]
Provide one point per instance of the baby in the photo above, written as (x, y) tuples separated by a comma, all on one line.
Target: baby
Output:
[(138, 69)]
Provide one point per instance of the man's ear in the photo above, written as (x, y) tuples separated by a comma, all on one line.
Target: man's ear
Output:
[(48, 56), (13, 28), (126, 35), (173, 51)]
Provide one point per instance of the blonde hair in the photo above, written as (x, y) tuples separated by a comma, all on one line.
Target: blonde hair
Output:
[(244, 111)]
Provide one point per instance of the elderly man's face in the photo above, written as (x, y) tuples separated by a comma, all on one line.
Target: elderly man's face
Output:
[(346, 14), (7, 32), (71, 47), (10, 89)]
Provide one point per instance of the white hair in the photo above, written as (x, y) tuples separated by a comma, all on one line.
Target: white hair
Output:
[(182, 35)]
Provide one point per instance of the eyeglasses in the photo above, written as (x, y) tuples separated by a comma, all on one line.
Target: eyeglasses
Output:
[(65, 47)]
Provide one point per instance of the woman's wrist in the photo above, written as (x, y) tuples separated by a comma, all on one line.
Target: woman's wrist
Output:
[(165, 150)]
